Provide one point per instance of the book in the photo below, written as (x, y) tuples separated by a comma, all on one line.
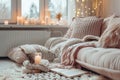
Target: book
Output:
[(70, 73)]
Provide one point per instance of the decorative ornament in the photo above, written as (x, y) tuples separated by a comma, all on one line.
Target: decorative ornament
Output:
[(58, 16)]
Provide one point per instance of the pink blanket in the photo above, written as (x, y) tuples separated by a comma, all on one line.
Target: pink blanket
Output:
[(70, 54)]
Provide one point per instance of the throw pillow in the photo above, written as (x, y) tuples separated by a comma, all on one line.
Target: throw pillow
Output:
[(86, 26), (111, 36), (17, 55), (106, 22), (68, 34)]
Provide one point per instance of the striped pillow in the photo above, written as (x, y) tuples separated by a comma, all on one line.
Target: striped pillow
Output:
[(86, 26)]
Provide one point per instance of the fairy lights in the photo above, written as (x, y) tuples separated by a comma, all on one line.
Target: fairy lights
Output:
[(88, 8)]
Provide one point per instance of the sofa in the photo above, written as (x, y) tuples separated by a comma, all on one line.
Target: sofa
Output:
[(100, 41), (104, 58)]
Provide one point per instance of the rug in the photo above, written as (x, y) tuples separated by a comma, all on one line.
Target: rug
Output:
[(10, 71)]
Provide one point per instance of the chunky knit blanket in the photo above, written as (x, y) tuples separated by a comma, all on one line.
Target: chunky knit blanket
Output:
[(61, 49), (70, 54), (66, 49)]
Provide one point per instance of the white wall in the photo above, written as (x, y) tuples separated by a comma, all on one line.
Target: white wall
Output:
[(111, 7)]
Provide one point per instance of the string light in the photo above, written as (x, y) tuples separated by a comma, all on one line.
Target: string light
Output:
[(87, 10), (92, 11), (77, 0), (83, 0)]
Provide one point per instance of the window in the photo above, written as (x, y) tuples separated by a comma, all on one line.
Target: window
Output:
[(58, 6), (5, 9), (32, 9)]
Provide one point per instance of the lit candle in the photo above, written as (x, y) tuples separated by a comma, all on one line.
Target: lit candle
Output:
[(46, 19), (37, 58), (21, 20), (43, 22), (5, 22), (26, 23), (18, 20)]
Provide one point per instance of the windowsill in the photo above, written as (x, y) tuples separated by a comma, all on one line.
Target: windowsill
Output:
[(31, 27)]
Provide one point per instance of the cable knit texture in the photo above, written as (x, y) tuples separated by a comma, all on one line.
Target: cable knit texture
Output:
[(86, 26), (69, 32)]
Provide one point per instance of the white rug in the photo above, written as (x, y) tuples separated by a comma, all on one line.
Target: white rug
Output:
[(10, 71)]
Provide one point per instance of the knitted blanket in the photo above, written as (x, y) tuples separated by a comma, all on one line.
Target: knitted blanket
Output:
[(70, 54), (61, 48)]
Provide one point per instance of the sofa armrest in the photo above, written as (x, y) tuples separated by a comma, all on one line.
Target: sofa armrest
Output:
[(53, 41)]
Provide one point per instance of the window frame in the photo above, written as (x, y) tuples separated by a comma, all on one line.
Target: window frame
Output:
[(46, 6), (13, 13), (41, 12), (16, 10)]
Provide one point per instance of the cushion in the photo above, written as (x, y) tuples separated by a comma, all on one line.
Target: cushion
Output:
[(111, 36), (106, 22), (86, 26), (27, 52), (101, 60), (68, 34), (17, 55)]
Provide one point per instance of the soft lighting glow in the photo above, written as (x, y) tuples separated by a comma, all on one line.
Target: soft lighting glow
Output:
[(83, 0), (77, 0), (38, 58), (94, 9), (6, 22), (26, 22)]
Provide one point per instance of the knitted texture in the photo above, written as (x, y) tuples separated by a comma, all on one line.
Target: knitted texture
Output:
[(111, 36), (86, 26)]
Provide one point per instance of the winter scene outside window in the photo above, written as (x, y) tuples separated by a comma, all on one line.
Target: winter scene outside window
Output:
[(34, 11), (30, 8), (58, 7), (5, 9)]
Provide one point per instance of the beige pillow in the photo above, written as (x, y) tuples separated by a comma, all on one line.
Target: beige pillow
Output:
[(69, 32), (17, 55), (111, 36), (86, 26)]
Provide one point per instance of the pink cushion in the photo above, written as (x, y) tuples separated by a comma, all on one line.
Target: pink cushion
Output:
[(111, 36), (106, 22)]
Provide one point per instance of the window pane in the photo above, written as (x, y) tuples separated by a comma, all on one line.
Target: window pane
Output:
[(58, 6), (30, 8), (5, 9)]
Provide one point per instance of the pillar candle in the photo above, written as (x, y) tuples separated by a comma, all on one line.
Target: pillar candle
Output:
[(18, 20), (26, 22), (37, 59), (5, 22)]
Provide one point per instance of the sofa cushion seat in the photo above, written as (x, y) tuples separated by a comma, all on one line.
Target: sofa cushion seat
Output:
[(101, 60)]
